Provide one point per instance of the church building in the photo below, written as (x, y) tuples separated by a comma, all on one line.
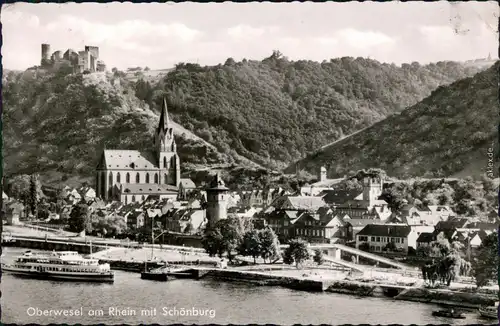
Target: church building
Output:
[(134, 175)]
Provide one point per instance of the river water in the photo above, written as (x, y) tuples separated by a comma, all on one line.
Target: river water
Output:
[(198, 302)]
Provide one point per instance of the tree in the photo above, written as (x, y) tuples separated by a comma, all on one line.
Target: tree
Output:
[(212, 242), (251, 245), (423, 251), (33, 196), (448, 262), (485, 264), (224, 237), (297, 252), (390, 246), (109, 226), (79, 218), (270, 245), (318, 257)]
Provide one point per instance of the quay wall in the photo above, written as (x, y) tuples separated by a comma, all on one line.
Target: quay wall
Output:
[(138, 266), (263, 279), (447, 297), (50, 245)]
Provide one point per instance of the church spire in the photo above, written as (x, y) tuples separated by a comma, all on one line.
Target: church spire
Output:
[(164, 121)]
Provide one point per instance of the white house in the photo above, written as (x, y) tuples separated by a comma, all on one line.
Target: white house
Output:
[(377, 236)]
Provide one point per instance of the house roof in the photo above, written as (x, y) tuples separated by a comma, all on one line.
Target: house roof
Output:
[(340, 197), (453, 223), (147, 189), (482, 225), (217, 183), (386, 230), (298, 203), (128, 160), (358, 222), (481, 234), (326, 183), (426, 237), (187, 183)]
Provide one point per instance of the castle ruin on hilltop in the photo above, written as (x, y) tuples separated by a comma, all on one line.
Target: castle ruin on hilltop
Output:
[(81, 61)]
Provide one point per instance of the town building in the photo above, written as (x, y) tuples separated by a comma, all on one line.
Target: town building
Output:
[(321, 185), (377, 237), (15, 213), (186, 187), (132, 175)]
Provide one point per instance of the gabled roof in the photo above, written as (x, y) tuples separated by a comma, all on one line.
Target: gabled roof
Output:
[(454, 223), (298, 203), (357, 222), (339, 197), (335, 220), (217, 183), (386, 230), (482, 225), (148, 189), (187, 183), (128, 160), (426, 237), (481, 234), (326, 183)]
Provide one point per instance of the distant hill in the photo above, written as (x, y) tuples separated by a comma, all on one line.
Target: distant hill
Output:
[(447, 134), (275, 111)]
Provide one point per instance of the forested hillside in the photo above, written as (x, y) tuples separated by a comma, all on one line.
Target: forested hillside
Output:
[(274, 111), (58, 124), (453, 132)]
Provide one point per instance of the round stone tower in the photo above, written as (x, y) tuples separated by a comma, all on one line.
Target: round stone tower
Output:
[(45, 54), (217, 194)]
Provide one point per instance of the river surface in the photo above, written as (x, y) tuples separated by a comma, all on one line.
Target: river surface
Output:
[(198, 302)]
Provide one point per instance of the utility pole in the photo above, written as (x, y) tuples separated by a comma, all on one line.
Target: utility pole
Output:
[(152, 237)]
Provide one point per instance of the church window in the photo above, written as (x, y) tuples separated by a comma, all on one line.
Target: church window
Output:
[(147, 177), (127, 178), (164, 162), (156, 178), (118, 177), (137, 178), (110, 179), (165, 178), (172, 162), (133, 198), (143, 197), (126, 200)]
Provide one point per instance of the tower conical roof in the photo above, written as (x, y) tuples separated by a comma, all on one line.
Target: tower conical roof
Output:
[(164, 121), (217, 183)]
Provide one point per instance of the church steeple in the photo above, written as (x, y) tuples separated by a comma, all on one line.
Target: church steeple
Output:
[(164, 136), (164, 121)]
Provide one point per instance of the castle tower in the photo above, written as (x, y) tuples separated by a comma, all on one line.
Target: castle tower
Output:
[(372, 189), (322, 174), (45, 54), (217, 194), (166, 150)]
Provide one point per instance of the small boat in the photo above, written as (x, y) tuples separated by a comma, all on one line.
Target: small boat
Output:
[(489, 312), (62, 265), (154, 275), (448, 314)]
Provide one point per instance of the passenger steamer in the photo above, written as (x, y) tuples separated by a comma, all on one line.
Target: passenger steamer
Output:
[(62, 265)]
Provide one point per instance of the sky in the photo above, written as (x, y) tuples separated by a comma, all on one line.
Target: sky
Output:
[(162, 35)]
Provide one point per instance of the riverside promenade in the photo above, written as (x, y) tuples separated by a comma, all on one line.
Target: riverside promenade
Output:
[(400, 285)]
